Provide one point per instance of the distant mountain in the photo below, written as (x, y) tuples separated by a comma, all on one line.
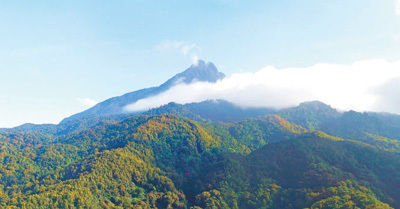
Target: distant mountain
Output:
[(310, 114), (379, 129), (211, 111), (372, 128), (201, 71), (364, 126), (111, 110), (207, 111), (30, 127), (368, 127)]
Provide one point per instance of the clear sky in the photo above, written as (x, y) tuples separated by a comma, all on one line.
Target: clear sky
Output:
[(59, 57)]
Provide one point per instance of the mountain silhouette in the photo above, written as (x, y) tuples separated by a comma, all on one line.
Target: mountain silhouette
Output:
[(200, 71)]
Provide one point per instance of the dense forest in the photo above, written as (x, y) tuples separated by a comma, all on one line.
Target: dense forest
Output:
[(305, 157)]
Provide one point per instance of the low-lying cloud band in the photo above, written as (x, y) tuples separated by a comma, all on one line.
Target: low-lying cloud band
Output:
[(369, 85)]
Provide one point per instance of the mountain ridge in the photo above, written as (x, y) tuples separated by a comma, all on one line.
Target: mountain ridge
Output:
[(313, 115), (200, 71)]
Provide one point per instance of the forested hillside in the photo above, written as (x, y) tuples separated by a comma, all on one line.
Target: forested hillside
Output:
[(167, 161)]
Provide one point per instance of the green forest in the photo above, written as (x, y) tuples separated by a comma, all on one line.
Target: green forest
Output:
[(295, 158)]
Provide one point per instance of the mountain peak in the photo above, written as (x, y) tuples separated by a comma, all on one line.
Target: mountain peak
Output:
[(198, 63), (315, 105), (201, 64), (199, 71), (318, 107)]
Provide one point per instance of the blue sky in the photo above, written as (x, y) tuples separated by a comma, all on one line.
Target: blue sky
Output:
[(55, 57)]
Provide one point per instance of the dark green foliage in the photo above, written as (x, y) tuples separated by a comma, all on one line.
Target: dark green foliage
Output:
[(284, 174), (310, 115), (378, 129), (257, 132)]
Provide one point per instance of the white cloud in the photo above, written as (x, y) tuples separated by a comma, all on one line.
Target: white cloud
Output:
[(183, 46), (388, 93), (397, 7), (361, 86), (87, 102), (195, 60)]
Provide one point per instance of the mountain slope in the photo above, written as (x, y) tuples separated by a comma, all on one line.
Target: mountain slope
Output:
[(315, 160), (257, 132), (310, 114), (167, 161), (112, 109), (369, 127), (200, 71), (312, 170), (207, 111), (115, 165)]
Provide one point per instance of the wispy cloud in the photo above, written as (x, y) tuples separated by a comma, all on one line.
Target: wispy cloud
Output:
[(184, 47), (363, 86), (195, 60), (87, 102), (397, 7)]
